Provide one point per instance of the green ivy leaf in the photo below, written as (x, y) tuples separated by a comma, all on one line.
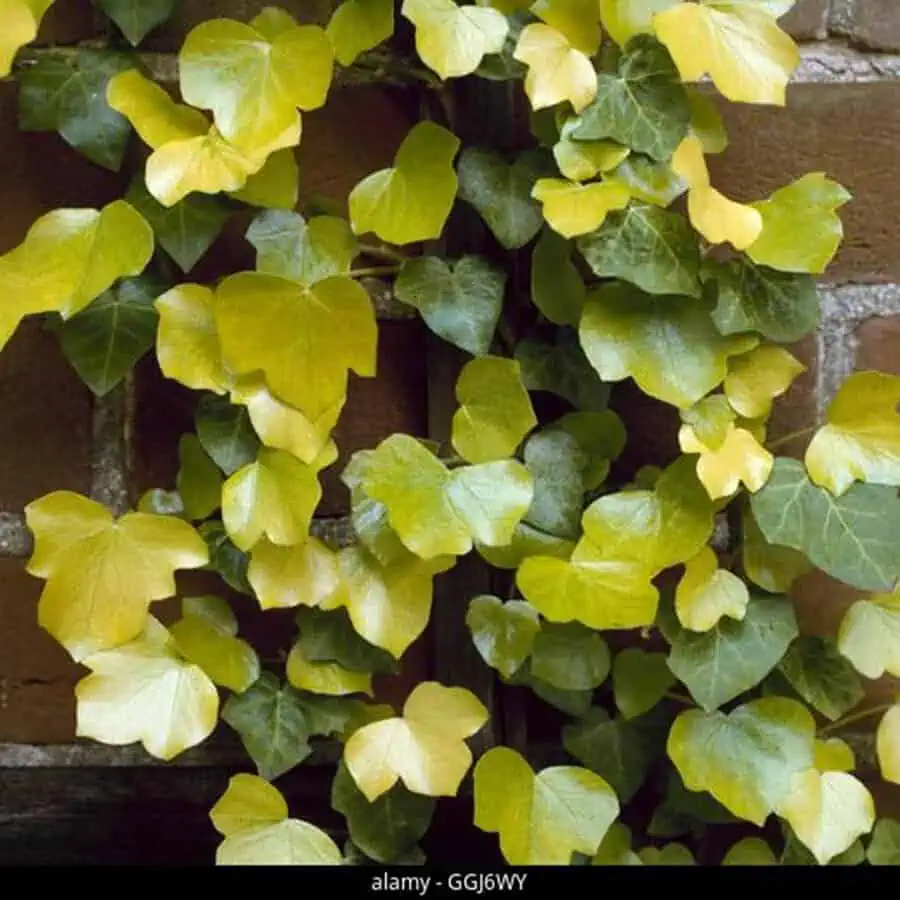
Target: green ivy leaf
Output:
[(780, 306), (104, 341), (652, 248), (557, 463), (685, 812), (67, 93), (623, 19), (526, 541), (649, 181), (389, 826), (459, 301), (601, 436), (561, 368), (199, 482), (615, 850), (773, 568), (852, 537), (572, 703), (750, 851), (291, 247), (371, 522), (570, 657), (136, 18), (501, 192), (643, 106), (670, 347), (329, 636), (359, 25), (640, 681), (747, 759), (225, 433), (224, 558), (884, 848), (816, 670), (720, 664), (556, 287), (503, 633)]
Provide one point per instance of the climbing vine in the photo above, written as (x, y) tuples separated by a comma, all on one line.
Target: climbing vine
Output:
[(713, 711)]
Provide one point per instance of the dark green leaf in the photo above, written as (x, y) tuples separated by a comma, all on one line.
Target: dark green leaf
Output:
[(387, 828), (459, 302), (136, 18), (556, 287), (224, 558), (649, 181), (557, 463), (570, 656), (225, 433), (105, 340), (199, 482), (573, 703), (68, 94), (329, 636), (683, 811), (601, 436), (503, 633), (884, 849)]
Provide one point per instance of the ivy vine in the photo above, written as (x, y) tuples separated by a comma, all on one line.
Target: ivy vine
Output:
[(640, 269)]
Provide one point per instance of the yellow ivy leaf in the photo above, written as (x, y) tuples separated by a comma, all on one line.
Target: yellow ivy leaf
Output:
[(411, 201), (709, 418), (706, 121), (750, 851), (861, 440), (738, 43), (556, 70), (756, 378), (706, 593), (887, 745), (276, 185), (359, 25), (495, 410), (833, 755), (199, 481), (102, 574), (869, 635), (327, 678), (252, 817), (254, 82), (389, 605), (274, 496), (577, 20), (583, 160), (144, 691), (69, 257), (305, 574), (740, 460), (303, 338), (573, 209), (828, 811), (541, 819), (452, 40), (424, 748), (716, 217), (21, 20), (624, 19)]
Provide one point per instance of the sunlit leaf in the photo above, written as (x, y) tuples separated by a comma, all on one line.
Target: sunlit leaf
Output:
[(615, 848), (640, 681), (756, 378), (706, 593), (623, 19), (503, 633), (706, 120), (584, 160), (198, 481), (329, 678), (741, 459), (21, 20), (274, 186), (869, 635), (359, 25), (750, 851), (573, 209), (305, 574), (650, 182), (526, 541)]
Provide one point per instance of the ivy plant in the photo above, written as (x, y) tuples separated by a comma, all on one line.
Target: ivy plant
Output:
[(652, 613)]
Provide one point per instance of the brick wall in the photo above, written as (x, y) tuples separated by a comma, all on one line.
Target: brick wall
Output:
[(843, 117)]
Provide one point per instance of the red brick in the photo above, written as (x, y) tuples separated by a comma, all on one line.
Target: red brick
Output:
[(807, 20), (848, 131), (876, 24), (878, 344), (68, 22), (796, 409)]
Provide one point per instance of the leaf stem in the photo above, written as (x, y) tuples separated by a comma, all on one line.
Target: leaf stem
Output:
[(374, 270), (388, 254), (856, 717), (793, 435), (679, 698)]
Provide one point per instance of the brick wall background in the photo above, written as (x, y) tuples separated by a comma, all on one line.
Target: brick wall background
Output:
[(843, 118)]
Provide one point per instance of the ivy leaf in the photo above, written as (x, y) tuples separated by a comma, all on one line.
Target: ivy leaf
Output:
[(706, 120), (460, 301), (387, 828), (747, 759), (615, 848), (884, 848), (749, 58), (750, 851), (424, 748), (526, 541), (198, 482), (289, 246), (187, 229), (643, 106), (328, 678), (640, 681), (253, 79), (103, 574), (557, 71), (851, 538), (578, 20), (861, 440), (389, 605), (740, 459), (706, 593), (272, 723), (438, 512), (773, 568), (277, 184), (623, 19), (708, 422), (670, 348), (452, 40), (869, 635), (756, 378), (541, 819), (601, 435), (67, 93), (359, 25), (720, 664), (647, 246), (136, 18), (503, 633), (780, 306), (104, 341), (143, 691), (685, 812), (570, 657), (304, 339), (252, 817), (801, 232), (305, 574), (69, 257), (329, 636), (22, 18), (556, 462), (669, 855), (816, 670), (651, 182), (556, 287), (274, 496), (501, 193), (411, 201), (584, 160), (225, 433), (573, 209), (224, 558), (619, 751), (562, 368)]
